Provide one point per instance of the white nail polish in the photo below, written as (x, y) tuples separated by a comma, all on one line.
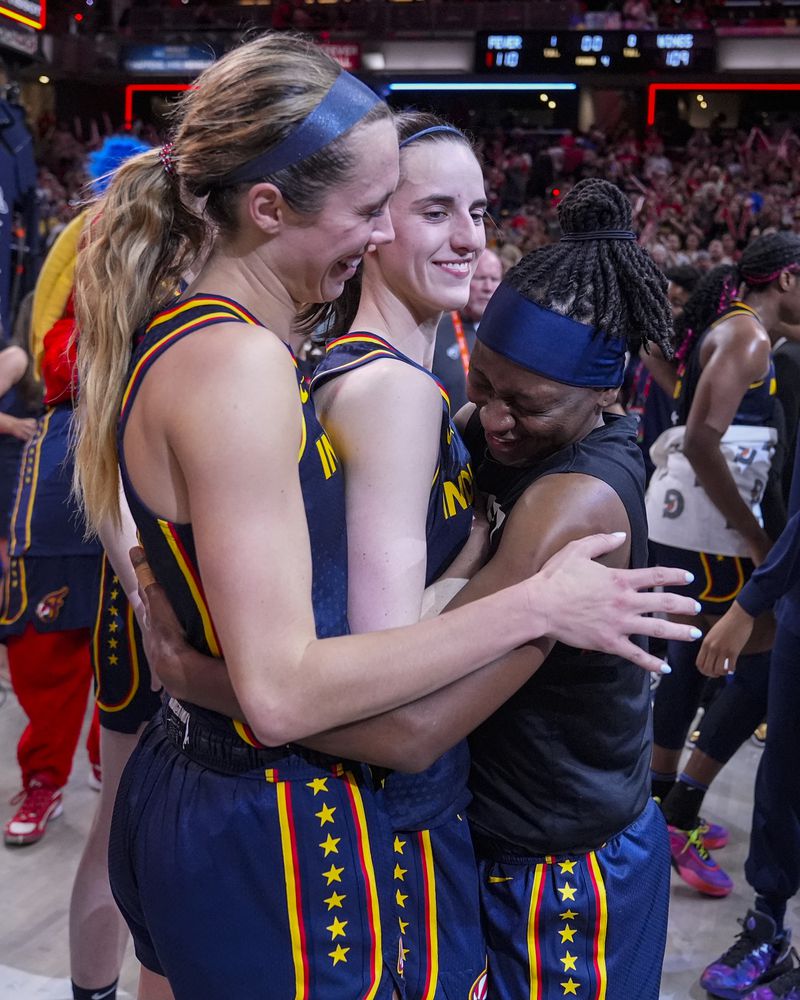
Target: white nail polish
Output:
[(690, 577), (696, 633), (665, 668)]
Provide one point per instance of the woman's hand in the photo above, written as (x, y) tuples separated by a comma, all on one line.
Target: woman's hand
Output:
[(725, 641), (591, 606), (162, 635), (22, 428)]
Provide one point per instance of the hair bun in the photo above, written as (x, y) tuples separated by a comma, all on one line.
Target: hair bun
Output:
[(594, 205)]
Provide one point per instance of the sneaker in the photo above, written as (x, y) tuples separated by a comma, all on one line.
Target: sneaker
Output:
[(715, 835), (95, 779), (785, 987), (694, 864), (758, 956), (40, 803)]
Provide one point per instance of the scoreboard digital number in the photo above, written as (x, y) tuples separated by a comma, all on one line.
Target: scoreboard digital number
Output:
[(598, 51)]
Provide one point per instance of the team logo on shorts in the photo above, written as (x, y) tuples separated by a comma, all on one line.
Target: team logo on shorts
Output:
[(745, 456), (480, 988), (49, 608), (673, 504)]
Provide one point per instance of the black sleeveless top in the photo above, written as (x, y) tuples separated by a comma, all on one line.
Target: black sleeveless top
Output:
[(170, 546), (564, 764), (420, 801)]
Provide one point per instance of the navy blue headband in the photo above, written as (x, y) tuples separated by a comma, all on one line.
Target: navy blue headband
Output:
[(600, 234), (345, 104), (552, 345), (430, 131)]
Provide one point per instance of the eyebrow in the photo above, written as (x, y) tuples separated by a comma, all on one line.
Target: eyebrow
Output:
[(376, 205), (446, 199)]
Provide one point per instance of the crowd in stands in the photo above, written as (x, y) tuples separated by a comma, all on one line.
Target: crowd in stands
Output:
[(699, 203)]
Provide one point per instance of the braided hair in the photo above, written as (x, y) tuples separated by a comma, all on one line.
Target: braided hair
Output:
[(611, 284), (711, 297), (766, 257)]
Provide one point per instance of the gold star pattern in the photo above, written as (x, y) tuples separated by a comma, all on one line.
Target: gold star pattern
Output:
[(115, 579), (330, 845), (404, 953), (567, 891), (403, 925), (568, 934), (337, 929), (113, 611), (113, 660), (112, 627), (568, 961), (325, 815), (400, 899), (339, 954), (318, 785), (335, 899), (568, 915), (400, 873), (567, 867), (570, 986), (114, 594), (333, 874), (399, 845), (113, 643)]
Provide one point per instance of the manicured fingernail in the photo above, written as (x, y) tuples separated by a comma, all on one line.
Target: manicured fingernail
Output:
[(698, 607), (665, 668), (619, 534), (726, 666), (696, 633), (690, 577)]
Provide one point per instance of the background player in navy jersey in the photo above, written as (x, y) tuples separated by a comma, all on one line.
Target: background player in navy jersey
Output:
[(216, 856), (704, 511)]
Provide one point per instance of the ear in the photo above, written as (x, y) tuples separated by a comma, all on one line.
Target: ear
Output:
[(786, 280), (265, 206), (606, 397)]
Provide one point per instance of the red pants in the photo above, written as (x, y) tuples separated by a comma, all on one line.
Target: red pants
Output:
[(51, 673)]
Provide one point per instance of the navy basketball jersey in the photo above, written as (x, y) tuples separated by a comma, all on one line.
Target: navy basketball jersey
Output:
[(450, 504), (170, 546), (419, 801), (757, 408)]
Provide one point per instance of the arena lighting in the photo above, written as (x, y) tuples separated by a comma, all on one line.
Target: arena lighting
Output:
[(654, 88), (482, 86), (34, 15), (551, 104), (132, 88)]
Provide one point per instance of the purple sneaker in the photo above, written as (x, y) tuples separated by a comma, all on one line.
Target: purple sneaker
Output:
[(694, 864), (715, 835), (758, 956), (785, 987)]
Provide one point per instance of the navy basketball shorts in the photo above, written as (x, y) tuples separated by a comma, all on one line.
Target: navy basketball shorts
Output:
[(717, 579), (53, 593), (592, 926), (442, 953), (259, 885), (122, 676)]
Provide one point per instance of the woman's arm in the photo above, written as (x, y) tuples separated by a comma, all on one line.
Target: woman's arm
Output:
[(664, 372), (13, 362), (737, 359)]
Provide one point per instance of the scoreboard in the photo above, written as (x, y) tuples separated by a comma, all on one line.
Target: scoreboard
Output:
[(595, 51)]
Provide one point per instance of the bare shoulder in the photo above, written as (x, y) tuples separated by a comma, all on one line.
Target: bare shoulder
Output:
[(383, 387), (738, 339)]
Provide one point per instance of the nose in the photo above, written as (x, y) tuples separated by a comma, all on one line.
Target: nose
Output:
[(383, 230), (467, 237), (496, 418)]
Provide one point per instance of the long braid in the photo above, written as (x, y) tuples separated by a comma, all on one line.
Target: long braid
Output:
[(714, 293), (610, 284)]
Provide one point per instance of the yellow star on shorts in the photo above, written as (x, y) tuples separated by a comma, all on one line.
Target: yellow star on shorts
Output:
[(330, 845), (339, 954), (335, 899), (318, 785), (570, 986), (400, 873), (326, 814), (337, 928), (333, 874), (568, 961), (568, 915), (399, 845), (567, 867), (567, 934), (567, 891), (403, 925), (400, 899)]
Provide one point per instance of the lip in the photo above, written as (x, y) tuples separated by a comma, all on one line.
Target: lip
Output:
[(347, 267), (504, 444)]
